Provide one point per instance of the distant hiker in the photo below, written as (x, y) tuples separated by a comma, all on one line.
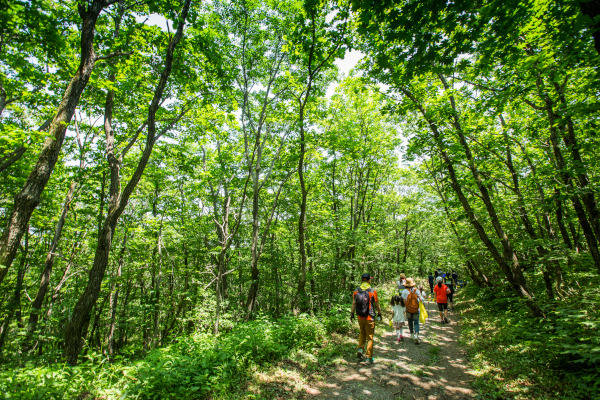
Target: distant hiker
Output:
[(450, 283), (422, 290), (401, 283), (431, 283), (412, 297), (455, 277), (365, 302), (441, 298), (398, 318)]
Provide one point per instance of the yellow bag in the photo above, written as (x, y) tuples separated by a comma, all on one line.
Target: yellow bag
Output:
[(391, 324), (422, 314)]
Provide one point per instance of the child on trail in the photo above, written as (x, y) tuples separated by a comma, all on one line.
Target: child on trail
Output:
[(398, 308), (441, 298)]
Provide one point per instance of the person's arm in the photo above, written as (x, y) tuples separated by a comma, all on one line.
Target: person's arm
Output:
[(353, 307), (376, 304)]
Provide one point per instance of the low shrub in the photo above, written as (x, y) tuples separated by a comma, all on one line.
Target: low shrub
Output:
[(193, 367), (521, 357)]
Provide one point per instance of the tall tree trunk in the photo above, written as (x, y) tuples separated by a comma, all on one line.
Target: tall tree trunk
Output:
[(518, 279), (15, 302), (302, 298), (524, 215), (29, 197), (587, 193), (456, 186), (118, 199), (114, 299), (36, 306), (566, 178), (254, 271)]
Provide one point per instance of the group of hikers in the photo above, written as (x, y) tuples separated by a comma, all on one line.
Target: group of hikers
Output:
[(407, 307)]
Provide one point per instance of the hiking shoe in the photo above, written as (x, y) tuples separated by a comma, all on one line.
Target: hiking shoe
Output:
[(446, 319), (443, 322), (401, 338), (359, 354), (369, 360), (398, 339)]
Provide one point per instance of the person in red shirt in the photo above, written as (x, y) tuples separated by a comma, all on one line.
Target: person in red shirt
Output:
[(365, 302), (441, 297)]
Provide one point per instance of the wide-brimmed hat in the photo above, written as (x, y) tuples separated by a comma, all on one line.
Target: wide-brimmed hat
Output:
[(409, 282)]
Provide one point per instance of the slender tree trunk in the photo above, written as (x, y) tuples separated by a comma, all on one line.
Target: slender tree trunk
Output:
[(302, 298), (516, 274), (254, 272), (114, 298), (516, 283), (567, 180), (15, 302), (118, 202), (524, 215), (36, 306), (587, 194)]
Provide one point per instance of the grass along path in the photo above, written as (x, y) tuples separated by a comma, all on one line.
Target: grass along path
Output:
[(435, 369)]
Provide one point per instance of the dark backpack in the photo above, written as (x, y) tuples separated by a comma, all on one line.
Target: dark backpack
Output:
[(412, 302), (363, 302)]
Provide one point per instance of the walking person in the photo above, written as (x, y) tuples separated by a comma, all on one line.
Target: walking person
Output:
[(401, 283), (441, 298), (365, 302), (431, 282), (412, 297), (450, 283), (398, 318)]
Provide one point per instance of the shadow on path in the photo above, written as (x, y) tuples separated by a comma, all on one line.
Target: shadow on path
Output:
[(436, 369)]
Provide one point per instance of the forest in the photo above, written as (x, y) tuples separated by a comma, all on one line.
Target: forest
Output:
[(190, 190)]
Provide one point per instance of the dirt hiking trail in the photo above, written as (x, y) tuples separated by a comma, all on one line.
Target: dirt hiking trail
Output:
[(435, 369)]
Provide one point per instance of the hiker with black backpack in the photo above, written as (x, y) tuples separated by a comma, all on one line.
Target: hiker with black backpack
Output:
[(365, 302), (412, 297)]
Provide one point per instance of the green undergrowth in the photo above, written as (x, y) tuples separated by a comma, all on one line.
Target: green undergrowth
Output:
[(196, 367), (517, 356)]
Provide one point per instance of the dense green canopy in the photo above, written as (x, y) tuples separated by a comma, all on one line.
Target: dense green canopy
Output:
[(174, 167)]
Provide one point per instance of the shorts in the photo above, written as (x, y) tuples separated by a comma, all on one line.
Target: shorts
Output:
[(442, 306), (398, 325), (450, 297)]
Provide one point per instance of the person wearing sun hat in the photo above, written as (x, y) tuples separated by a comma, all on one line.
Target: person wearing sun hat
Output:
[(365, 302), (412, 297)]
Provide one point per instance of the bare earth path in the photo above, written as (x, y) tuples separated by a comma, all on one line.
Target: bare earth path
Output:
[(436, 369)]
